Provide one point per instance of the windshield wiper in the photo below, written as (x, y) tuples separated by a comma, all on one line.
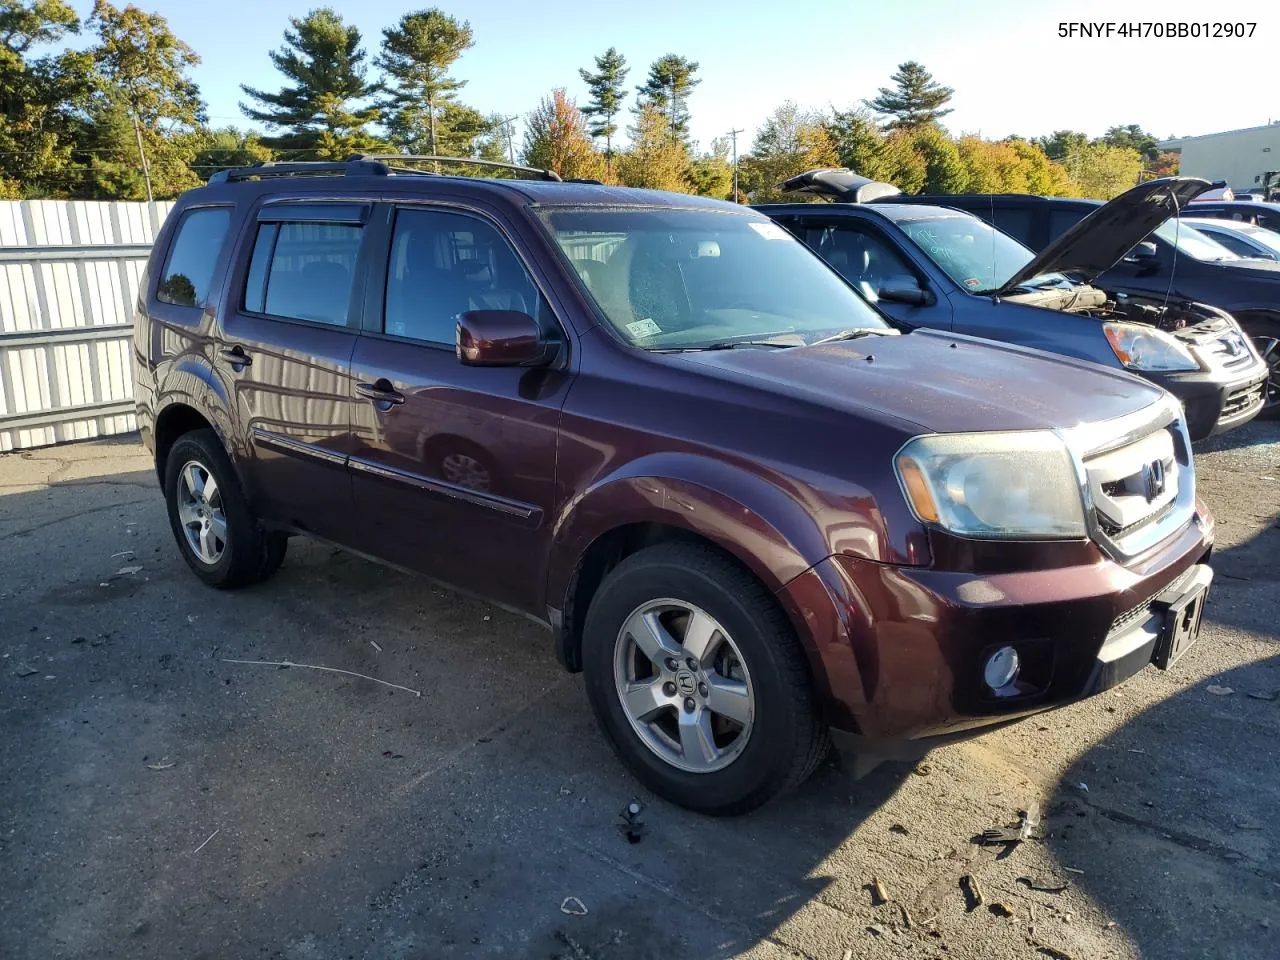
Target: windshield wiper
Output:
[(795, 341), (853, 333)]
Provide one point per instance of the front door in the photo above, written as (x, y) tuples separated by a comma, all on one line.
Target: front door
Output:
[(868, 260), (454, 467), (284, 354)]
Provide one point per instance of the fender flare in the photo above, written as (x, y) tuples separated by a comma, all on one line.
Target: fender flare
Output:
[(763, 526), (192, 382)]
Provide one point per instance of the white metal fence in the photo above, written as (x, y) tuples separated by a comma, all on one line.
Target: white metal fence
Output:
[(69, 273)]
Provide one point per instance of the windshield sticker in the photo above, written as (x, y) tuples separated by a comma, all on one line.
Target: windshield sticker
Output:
[(770, 231), (643, 328)]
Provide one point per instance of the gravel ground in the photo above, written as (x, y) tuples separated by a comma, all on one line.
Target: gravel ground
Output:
[(157, 801)]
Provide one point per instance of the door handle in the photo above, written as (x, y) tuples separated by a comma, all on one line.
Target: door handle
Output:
[(236, 356), (379, 392)]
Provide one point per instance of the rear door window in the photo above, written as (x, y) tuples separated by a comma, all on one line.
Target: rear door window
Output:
[(188, 271), (303, 270)]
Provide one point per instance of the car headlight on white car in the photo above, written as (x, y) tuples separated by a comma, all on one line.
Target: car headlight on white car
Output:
[(1019, 485), (1140, 347)]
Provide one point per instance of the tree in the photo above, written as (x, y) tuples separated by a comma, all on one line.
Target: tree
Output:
[(656, 159), (556, 139), (789, 142), (667, 88), (1134, 137), (496, 141), (711, 175), (944, 170), (416, 55), (42, 100), (144, 71), (214, 150), (607, 91), (1101, 171), (321, 113), (1058, 144), (914, 99)]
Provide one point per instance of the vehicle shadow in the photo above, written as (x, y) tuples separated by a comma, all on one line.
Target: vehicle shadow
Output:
[(1172, 817)]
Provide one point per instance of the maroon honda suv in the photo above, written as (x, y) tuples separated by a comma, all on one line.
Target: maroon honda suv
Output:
[(755, 514)]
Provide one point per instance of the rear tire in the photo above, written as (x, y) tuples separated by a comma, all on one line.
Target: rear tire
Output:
[(217, 534), (725, 732)]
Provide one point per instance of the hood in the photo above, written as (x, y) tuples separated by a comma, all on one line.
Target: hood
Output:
[(836, 183), (1099, 241), (922, 379)]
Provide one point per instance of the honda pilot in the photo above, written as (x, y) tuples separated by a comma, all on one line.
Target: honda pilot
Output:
[(756, 515)]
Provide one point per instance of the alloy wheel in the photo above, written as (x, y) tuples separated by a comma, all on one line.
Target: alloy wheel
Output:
[(201, 512), (683, 685)]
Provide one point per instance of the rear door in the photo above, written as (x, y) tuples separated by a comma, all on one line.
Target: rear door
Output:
[(284, 354), (454, 468)]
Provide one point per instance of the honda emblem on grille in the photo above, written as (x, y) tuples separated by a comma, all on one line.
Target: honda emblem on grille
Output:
[(1153, 479)]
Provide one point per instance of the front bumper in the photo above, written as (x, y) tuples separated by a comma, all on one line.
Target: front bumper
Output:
[(897, 651), (1216, 401)]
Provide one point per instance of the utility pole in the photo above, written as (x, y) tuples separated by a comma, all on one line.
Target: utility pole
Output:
[(510, 137), (733, 135)]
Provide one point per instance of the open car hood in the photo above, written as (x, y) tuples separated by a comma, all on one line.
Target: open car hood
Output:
[(1099, 241), (838, 184)]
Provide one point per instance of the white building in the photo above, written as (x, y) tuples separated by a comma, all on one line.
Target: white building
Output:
[(1239, 157)]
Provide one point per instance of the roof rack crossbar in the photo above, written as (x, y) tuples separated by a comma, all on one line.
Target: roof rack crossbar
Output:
[(355, 167), (398, 158)]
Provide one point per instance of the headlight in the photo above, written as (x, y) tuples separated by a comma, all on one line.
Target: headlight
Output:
[(1145, 348), (994, 485)]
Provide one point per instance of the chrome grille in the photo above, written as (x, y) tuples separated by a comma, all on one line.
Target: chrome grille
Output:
[(1242, 400), (1139, 487)]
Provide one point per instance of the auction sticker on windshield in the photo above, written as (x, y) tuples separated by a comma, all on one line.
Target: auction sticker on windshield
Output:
[(770, 231)]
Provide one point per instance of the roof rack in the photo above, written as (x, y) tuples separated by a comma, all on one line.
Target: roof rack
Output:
[(398, 158), (354, 167)]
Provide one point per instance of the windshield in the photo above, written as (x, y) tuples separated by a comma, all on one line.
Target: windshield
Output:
[(1192, 242), (970, 251), (671, 279)]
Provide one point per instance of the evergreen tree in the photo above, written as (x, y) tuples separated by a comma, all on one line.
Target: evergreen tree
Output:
[(914, 99), (1133, 136), (143, 68), (416, 56), (321, 113), (944, 169), (656, 160), (667, 88), (1057, 145), (556, 138), (607, 92)]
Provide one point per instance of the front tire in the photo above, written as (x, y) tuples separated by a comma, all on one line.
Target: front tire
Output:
[(216, 532), (1265, 335), (699, 682)]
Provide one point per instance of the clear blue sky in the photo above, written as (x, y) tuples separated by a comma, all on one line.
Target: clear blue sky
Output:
[(1010, 70)]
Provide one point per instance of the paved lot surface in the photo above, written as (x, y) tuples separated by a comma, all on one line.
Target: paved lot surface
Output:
[(157, 801)]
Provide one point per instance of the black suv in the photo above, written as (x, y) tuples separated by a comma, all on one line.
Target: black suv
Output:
[(1174, 262)]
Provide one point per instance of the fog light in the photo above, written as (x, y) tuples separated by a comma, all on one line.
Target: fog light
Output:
[(1001, 668)]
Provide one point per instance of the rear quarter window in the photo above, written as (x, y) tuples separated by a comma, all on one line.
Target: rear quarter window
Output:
[(188, 269)]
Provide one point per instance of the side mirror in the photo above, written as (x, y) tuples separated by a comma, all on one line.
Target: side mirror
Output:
[(501, 338), (904, 290), (1144, 254)]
